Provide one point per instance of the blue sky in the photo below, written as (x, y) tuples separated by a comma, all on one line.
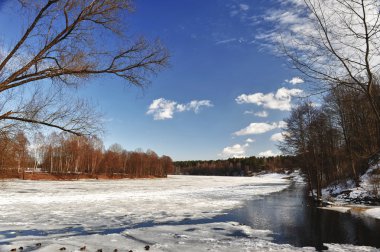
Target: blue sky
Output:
[(203, 105)]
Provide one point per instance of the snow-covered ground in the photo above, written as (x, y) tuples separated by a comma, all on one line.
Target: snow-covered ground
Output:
[(130, 214), (344, 195)]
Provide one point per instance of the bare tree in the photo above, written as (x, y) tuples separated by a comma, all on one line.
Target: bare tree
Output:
[(64, 44), (336, 42), (296, 140), (50, 107)]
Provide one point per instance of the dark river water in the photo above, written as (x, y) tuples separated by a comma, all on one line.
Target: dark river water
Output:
[(294, 220)]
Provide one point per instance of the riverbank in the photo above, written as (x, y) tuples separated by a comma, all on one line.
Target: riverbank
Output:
[(362, 200)]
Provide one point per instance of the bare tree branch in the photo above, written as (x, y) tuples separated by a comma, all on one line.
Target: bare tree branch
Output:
[(62, 44), (340, 46)]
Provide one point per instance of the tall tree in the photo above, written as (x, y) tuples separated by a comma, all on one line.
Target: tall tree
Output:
[(297, 140), (62, 43), (336, 42)]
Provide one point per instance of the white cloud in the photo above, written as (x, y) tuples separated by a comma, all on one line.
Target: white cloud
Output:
[(240, 11), (237, 151), (250, 140), (163, 109), (193, 105), (281, 100), (244, 7), (259, 128), (295, 81), (225, 41), (283, 17), (261, 114), (291, 22), (268, 153), (258, 114), (297, 2), (282, 124), (256, 128), (278, 137)]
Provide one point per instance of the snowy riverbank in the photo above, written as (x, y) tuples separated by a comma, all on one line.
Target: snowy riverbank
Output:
[(130, 214), (346, 197)]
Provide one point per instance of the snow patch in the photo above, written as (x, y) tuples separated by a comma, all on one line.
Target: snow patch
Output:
[(337, 209), (348, 192), (344, 194), (374, 212)]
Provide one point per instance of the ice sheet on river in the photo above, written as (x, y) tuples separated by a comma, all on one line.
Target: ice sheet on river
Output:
[(129, 214)]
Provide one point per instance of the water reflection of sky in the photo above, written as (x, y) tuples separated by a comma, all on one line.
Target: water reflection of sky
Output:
[(295, 221)]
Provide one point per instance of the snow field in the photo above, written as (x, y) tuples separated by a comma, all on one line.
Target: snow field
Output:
[(130, 214)]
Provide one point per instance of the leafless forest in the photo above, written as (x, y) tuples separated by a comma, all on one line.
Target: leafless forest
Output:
[(67, 154)]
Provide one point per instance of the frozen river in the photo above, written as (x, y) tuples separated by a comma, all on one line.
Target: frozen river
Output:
[(180, 213)]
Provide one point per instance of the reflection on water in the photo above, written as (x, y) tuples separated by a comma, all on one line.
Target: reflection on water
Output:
[(295, 221)]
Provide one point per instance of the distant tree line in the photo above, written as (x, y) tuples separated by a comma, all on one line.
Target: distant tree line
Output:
[(69, 154), (334, 141), (236, 166)]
